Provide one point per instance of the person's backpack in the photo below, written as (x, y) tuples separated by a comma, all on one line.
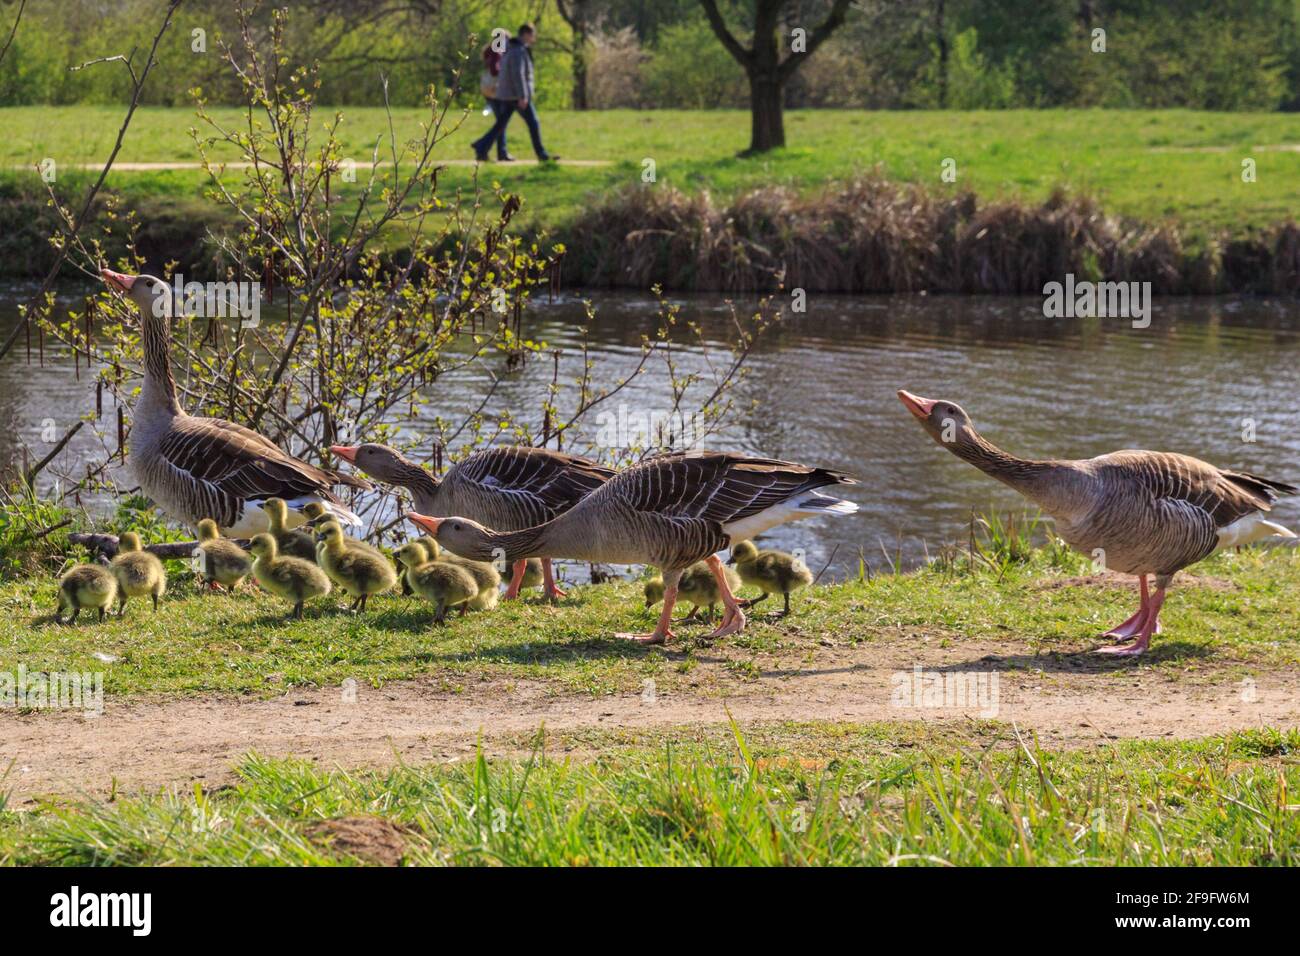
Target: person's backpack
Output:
[(487, 81)]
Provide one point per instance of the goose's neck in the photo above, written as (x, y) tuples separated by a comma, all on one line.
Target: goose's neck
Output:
[(423, 487), (512, 546), (158, 396), (1052, 485)]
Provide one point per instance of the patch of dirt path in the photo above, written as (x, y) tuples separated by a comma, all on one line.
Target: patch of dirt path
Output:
[(1070, 700)]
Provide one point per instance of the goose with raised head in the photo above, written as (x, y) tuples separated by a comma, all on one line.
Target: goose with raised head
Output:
[(509, 488), (670, 511), (195, 467), (1145, 513)]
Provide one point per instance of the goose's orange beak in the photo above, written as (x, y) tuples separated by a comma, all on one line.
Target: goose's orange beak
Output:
[(346, 452), (918, 406), (117, 280), (424, 521)]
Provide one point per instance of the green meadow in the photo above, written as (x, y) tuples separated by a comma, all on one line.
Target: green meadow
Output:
[(1174, 165)]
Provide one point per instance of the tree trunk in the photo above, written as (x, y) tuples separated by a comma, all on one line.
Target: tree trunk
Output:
[(767, 129), (579, 70)]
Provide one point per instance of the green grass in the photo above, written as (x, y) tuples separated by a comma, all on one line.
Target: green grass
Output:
[(244, 644), (857, 794), (1150, 164)]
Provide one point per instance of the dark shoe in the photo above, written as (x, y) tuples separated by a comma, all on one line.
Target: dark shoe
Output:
[(480, 157), (505, 158), (550, 158)]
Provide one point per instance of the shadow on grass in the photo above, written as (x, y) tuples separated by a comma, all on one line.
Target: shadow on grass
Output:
[(1084, 662)]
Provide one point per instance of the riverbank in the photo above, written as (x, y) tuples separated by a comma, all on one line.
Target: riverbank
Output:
[(939, 706), (858, 203)]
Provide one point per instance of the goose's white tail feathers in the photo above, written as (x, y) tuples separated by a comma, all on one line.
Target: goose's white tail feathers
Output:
[(807, 507), (824, 504), (1252, 527), (345, 516)]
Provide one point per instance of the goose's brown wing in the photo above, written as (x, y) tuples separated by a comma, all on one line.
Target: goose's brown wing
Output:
[(1197, 486), (239, 463), (539, 483), (718, 486)]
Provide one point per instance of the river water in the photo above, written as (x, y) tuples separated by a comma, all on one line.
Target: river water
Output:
[(1207, 377)]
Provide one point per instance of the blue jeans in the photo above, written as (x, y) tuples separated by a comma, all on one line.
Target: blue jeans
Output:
[(497, 107), (507, 109)]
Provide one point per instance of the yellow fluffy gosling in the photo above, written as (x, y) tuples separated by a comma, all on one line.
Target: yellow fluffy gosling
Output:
[(86, 585), (698, 585), (294, 579), (291, 543), (444, 583), (358, 572), (222, 563), (772, 572), (138, 573)]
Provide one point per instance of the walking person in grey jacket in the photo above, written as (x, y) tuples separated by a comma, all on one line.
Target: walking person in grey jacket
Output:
[(515, 92)]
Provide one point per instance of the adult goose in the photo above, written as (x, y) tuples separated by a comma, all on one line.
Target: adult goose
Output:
[(669, 511), (1140, 512), (195, 467), (508, 488)]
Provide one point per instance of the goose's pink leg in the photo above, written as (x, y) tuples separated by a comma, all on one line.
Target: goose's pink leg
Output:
[(733, 620), (663, 632), (1133, 626), (549, 588), (1149, 627), (516, 580)]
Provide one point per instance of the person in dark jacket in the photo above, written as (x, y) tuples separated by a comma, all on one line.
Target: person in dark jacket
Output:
[(515, 88), (493, 54)]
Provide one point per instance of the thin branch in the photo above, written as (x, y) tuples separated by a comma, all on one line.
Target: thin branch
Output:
[(22, 4), (80, 219)]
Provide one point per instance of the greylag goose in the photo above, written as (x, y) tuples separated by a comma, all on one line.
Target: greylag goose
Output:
[(508, 488), (669, 511), (1145, 513), (194, 467)]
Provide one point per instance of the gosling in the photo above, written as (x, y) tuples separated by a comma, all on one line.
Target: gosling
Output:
[(221, 562), (429, 551), (86, 585), (291, 543), (772, 572), (443, 583), (294, 579), (138, 573), (323, 520), (358, 572), (487, 581), (697, 585)]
